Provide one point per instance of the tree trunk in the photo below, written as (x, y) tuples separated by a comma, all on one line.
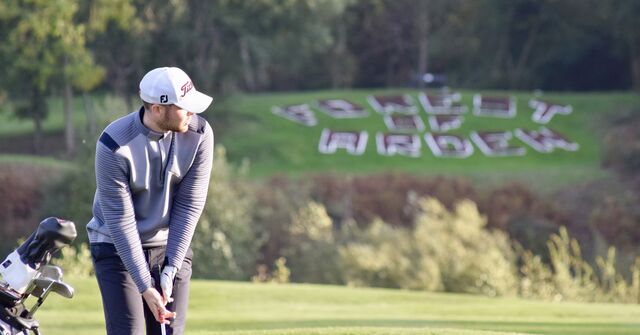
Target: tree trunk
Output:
[(339, 69), (37, 135), (92, 126), (69, 131), (635, 73), (635, 63), (517, 72), (422, 27), (247, 66), (36, 108), (120, 87)]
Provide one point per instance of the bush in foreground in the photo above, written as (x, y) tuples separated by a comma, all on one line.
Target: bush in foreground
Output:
[(448, 251)]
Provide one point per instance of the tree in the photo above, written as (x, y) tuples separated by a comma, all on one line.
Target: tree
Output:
[(44, 47), (625, 26), (100, 16), (251, 45), (392, 40)]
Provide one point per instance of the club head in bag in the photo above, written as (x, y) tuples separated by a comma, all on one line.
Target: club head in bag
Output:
[(51, 271), (59, 287)]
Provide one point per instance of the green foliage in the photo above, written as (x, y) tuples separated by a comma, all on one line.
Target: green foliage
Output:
[(570, 277), (536, 277), (385, 196), (75, 261), (622, 142), (449, 251), (471, 258), (280, 275), (311, 252), (44, 48), (277, 199), (226, 243), (72, 196), (23, 187), (44, 45), (385, 256)]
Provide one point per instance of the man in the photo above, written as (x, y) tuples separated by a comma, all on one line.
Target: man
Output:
[(152, 172)]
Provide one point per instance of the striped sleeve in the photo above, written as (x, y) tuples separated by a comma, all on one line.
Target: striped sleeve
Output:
[(189, 201), (118, 213)]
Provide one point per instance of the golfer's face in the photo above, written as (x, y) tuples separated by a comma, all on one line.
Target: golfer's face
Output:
[(175, 119)]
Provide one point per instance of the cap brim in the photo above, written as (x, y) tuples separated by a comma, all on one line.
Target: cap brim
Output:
[(197, 102)]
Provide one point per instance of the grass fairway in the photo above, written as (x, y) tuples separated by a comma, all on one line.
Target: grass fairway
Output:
[(235, 308)]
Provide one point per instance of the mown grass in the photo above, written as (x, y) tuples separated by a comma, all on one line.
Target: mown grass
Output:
[(245, 125), (13, 160), (275, 145), (235, 308), (106, 107)]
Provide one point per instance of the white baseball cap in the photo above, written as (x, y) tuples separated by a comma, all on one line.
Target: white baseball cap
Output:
[(172, 86)]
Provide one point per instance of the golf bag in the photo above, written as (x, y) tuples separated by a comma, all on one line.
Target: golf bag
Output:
[(25, 273)]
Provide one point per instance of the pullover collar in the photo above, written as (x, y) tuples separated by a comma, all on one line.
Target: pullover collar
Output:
[(151, 134)]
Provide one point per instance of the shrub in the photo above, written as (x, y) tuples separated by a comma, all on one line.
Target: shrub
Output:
[(384, 196), (22, 190), (570, 277), (622, 143), (447, 250), (385, 256), (72, 197), (471, 258), (280, 274), (276, 201), (602, 213), (225, 243), (75, 261), (515, 200), (311, 253)]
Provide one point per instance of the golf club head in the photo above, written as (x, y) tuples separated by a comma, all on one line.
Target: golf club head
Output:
[(51, 271), (53, 285)]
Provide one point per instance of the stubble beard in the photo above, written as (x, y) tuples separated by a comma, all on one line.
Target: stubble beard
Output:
[(172, 125)]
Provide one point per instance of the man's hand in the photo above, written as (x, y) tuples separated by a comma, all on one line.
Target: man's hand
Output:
[(156, 305), (166, 282)]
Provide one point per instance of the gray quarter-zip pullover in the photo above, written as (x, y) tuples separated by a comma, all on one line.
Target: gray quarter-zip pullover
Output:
[(151, 190)]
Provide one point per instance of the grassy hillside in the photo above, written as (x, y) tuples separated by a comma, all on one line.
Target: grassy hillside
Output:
[(235, 308), (277, 145), (245, 125)]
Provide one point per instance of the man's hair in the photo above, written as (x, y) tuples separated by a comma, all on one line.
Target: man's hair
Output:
[(147, 106)]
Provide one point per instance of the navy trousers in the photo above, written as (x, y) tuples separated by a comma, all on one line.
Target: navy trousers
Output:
[(125, 311)]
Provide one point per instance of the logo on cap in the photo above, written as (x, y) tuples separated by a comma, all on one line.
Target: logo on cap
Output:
[(164, 99), (186, 88)]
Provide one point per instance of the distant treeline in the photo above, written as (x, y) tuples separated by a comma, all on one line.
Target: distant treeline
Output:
[(70, 46), (287, 45)]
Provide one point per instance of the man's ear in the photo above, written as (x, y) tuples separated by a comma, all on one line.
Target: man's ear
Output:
[(156, 109)]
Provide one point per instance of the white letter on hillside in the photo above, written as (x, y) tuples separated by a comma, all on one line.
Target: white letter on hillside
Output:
[(354, 142), (400, 144), (341, 109), (448, 145), (296, 113), (544, 111), (496, 144), (393, 104), (545, 140)]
